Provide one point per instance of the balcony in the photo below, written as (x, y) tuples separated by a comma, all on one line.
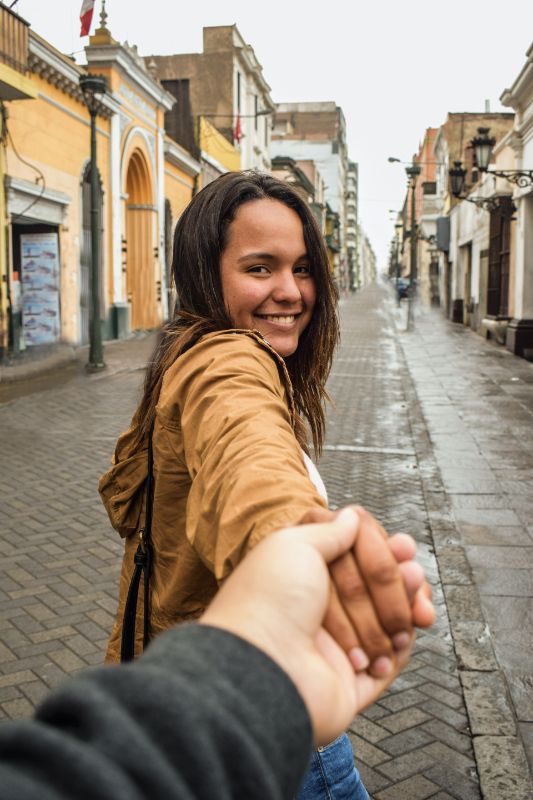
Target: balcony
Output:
[(13, 40), (13, 57), (333, 242)]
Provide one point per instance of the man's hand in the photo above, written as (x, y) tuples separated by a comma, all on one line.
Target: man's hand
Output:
[(378, 593), (277, 600)]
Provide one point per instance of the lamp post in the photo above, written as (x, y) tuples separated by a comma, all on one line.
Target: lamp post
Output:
[(93, 87), (413, 171), (397, 228)]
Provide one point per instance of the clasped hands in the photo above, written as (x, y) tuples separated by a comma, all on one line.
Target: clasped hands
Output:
[(378, 593), (333, 602)]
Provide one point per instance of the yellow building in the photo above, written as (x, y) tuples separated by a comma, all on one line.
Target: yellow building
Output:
[(217, 154), (14, 86), (146, 180)]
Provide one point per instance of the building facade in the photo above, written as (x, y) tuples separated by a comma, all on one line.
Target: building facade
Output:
[(317, 132), (367, 260), (426, 222), (15, 87), (226, 87), (352, 225), (519, 334), (460, 254), (145, 179)]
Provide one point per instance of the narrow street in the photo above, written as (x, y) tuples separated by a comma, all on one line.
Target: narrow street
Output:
[(432, 431)]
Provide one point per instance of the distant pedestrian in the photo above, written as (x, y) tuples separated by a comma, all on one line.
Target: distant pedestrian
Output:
[(235, 384)]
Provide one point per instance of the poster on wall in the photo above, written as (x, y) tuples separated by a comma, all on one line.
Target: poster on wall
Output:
[(39, 257)]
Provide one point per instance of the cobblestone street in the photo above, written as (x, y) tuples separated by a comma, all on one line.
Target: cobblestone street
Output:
[(432, 431)]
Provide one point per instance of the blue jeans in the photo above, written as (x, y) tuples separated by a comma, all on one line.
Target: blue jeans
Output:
[(332, 774)]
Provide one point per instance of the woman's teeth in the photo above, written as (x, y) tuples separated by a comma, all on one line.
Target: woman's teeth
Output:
[(281, 320)]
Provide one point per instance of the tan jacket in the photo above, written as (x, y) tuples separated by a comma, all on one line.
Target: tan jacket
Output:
[(227, 469)]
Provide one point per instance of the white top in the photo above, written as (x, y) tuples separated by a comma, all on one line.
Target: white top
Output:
[(315, 476)]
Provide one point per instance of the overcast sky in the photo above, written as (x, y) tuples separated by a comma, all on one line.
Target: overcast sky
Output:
[(395, 67)]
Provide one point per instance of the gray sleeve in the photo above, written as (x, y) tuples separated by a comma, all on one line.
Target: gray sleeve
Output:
[(202, 714)]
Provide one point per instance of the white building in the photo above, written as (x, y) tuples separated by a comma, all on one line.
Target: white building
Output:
[(317, 132), (520, 98), (352, 229)]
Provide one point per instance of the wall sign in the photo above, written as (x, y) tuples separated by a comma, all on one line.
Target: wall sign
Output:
[(40, 287)]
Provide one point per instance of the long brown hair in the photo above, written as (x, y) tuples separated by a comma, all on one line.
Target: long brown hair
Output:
[(199, 240)]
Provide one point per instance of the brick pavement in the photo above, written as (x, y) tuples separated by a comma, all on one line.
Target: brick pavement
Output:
[(415, 742), (60, 559)]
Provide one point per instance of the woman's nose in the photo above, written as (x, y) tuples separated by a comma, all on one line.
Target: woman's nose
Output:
[(286, 288)]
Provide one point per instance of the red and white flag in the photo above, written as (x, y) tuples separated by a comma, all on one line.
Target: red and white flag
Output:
[(237, 133), (86, 16)]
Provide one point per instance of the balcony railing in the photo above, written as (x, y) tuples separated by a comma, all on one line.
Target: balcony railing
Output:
[(13, 40)]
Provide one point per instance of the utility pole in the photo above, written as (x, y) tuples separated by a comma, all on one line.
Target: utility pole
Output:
[(413, 171)]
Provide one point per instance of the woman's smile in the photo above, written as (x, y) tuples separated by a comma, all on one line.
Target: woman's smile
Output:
[(278, 319)]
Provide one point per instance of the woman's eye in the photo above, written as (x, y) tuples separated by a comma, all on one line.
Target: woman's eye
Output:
[(303, 269), (258, 268)]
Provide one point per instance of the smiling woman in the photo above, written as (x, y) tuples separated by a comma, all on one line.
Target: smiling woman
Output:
[(235, 389), (235, 376), (267, 281)]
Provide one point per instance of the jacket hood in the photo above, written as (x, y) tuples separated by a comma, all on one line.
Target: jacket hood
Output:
[(122, 487)]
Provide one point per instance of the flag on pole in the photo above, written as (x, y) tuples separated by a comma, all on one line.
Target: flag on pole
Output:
[(86, 16), (237, 133)]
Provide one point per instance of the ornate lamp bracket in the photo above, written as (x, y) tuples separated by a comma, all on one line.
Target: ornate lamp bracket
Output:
[(520, 177), (502, 205)]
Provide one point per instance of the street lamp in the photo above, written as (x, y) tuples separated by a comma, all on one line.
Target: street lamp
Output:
[(483, 145), (93, 88), (457, 178), (457, 184), (412, 171)]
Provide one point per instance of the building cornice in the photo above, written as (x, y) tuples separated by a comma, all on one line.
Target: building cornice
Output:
[(180, 158), (55, 60), (59, 71), (35, 190), (110, 55), (521, 92)]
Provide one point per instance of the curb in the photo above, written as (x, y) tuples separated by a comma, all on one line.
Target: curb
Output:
[(74, 358), (31, 367)]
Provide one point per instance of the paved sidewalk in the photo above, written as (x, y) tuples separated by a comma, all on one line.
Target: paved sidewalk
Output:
[(395, 443), (57, 364), (477, 403)]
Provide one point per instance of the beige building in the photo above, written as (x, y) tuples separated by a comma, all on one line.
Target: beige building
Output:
[(367, 260), (225, 86), (459, 269)]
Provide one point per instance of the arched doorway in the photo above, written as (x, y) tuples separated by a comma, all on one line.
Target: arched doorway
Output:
[(142, 284)]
